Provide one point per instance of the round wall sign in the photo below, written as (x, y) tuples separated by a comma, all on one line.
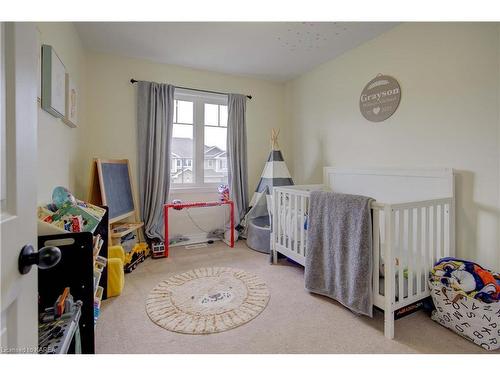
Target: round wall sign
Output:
[(380, 98)]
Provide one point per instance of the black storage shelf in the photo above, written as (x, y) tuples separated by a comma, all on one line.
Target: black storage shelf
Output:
[(75, 270)]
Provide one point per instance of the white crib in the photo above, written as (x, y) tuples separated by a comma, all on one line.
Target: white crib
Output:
[(413, 227)]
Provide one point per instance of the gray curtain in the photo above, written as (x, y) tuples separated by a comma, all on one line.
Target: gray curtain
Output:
[(155, 108), (237, 154)]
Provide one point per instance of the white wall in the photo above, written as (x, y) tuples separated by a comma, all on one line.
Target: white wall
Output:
[(111, 130), (448, 117), (59, 146)]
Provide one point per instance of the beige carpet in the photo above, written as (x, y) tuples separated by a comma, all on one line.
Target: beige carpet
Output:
[(294, 321)]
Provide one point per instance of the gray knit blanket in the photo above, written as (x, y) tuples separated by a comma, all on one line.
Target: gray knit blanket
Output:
[(339, 250)]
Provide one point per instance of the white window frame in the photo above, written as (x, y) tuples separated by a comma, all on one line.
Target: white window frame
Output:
[(199, 100)]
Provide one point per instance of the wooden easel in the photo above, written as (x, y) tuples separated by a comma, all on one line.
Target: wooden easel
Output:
[(99, 194)]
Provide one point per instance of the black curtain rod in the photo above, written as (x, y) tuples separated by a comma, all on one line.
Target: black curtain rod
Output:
[(132, 80)]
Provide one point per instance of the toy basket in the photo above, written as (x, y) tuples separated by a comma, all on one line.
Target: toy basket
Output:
[(471, 318)]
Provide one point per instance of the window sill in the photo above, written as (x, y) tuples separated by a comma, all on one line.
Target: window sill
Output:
[(194, 190)]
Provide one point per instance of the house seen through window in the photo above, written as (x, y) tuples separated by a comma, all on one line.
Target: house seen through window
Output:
[(198, 154)]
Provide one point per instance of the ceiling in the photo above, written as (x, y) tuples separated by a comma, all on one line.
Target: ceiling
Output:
[(268, 50)]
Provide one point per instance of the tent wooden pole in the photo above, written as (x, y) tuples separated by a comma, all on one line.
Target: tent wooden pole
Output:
[(274, 139)]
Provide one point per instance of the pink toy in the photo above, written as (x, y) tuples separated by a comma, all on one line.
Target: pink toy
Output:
[(223, 193)]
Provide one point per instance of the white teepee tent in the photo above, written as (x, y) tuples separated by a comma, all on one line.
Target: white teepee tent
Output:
[(275, 173), (258, 219)]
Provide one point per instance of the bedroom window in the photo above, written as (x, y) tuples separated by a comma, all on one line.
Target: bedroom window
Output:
[(199, 140), (182, 143), (215, 121)]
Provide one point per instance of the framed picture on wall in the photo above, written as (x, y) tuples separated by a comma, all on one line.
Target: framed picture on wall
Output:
[(71, 118), (38, 66), (53, 82)]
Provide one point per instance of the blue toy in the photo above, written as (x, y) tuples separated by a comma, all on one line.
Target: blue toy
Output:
[(61, 196)]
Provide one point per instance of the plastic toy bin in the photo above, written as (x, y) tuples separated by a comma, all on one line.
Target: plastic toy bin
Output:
[(471, 318)]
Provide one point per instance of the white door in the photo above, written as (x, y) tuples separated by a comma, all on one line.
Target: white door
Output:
[(18, 114)]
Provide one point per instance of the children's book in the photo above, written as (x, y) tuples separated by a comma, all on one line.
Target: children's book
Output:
[(93, 210), (75, 219)]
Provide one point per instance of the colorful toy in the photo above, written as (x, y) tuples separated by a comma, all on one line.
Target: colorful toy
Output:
[(62, 196), (176, 202), (468, 278), (223, 192), (158, 248), (138, 255), (58, 324), (70, 214), (116, 270)]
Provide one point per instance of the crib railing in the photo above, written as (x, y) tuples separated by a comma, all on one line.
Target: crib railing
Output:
[(290, 212), (408, 238), (416, 235)]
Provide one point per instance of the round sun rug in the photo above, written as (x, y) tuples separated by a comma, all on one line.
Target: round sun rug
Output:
[(207, 300)]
